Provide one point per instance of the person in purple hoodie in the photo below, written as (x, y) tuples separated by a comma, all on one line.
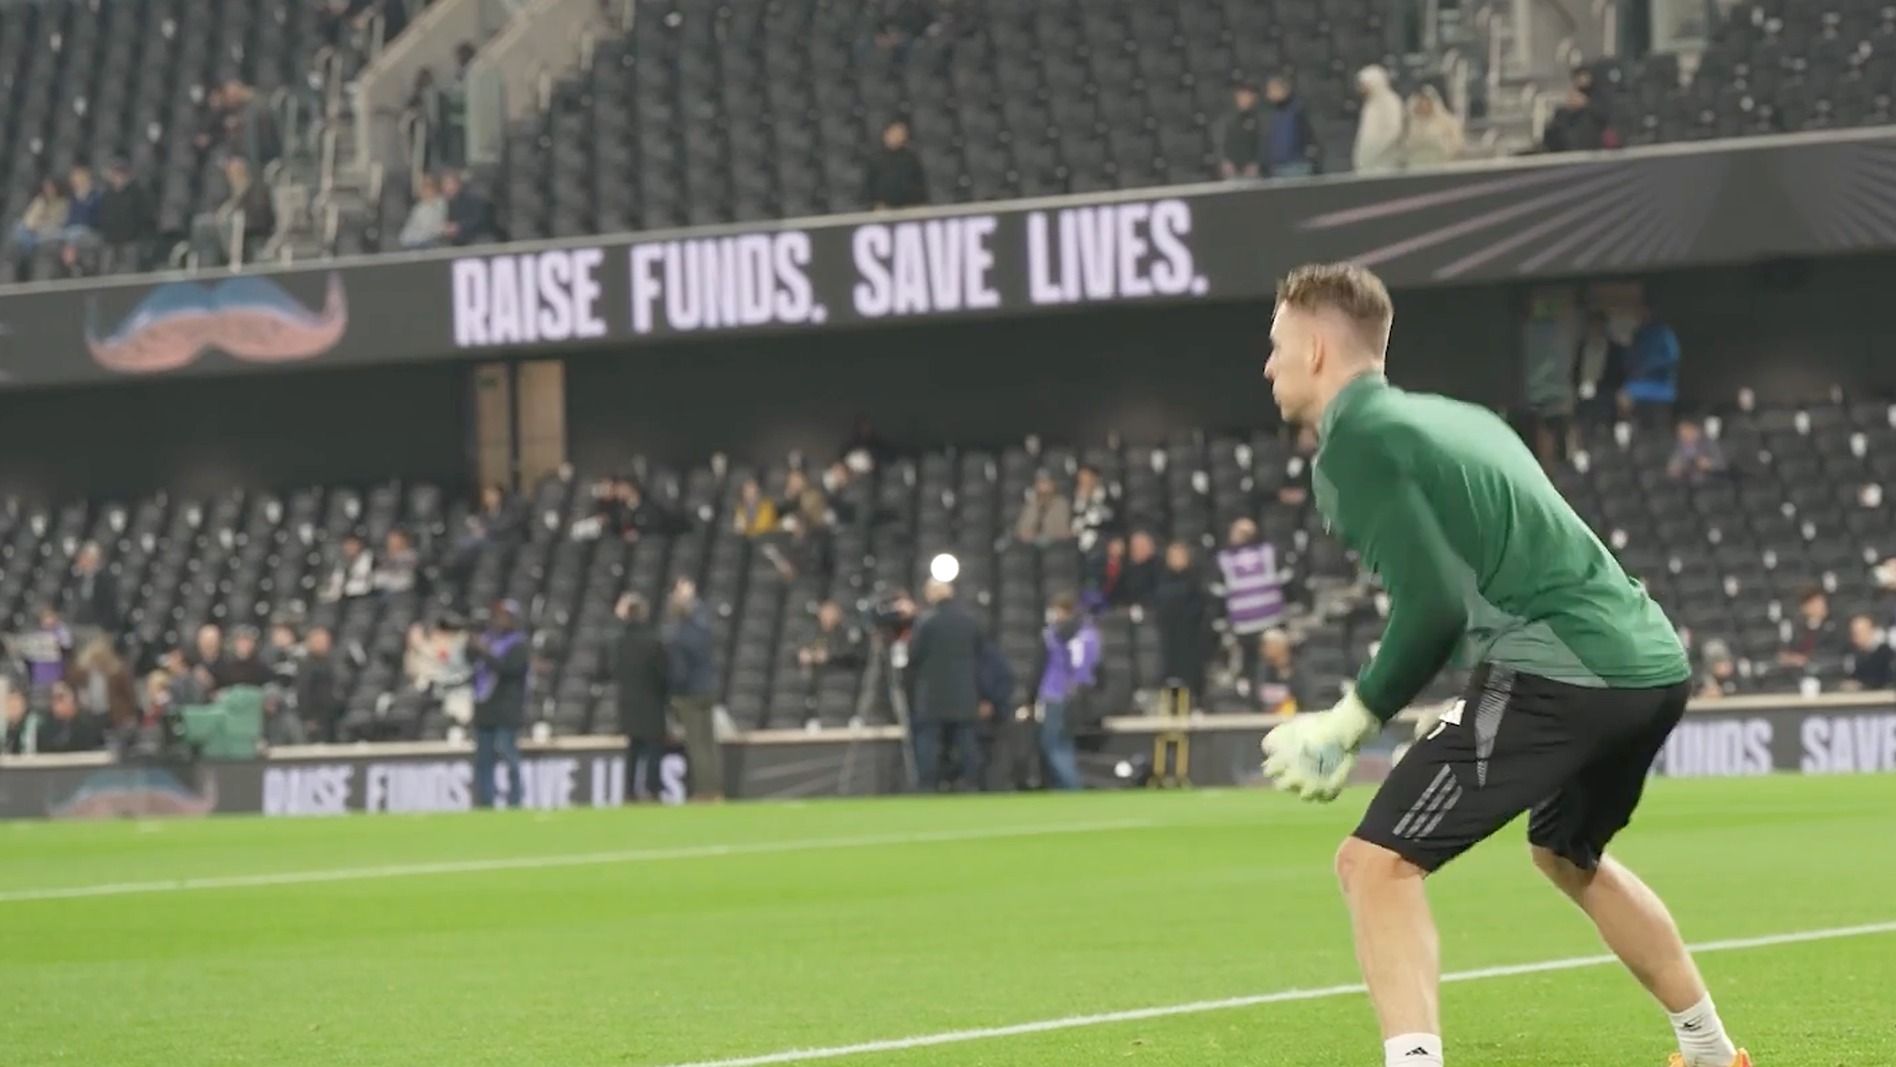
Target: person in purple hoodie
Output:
[(501, 662), (45, 648), (1067, 677)]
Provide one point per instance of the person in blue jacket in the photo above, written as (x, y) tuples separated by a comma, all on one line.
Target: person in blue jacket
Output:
[(1652, 371)]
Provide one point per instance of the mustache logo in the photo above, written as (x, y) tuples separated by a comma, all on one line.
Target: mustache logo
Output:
[(252, 319)]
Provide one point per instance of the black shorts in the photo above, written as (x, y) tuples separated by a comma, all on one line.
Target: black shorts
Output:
[(1576, 756)]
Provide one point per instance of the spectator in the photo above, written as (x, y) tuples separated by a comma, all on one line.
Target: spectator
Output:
[(42, 223), (501, 663), (242, 664), (812, 546), (44, 649), (1290, 144), (1378, 147), (19, 733), (427, 224), (189, 681), (1069, 672), (1045, 516), (318, 688), (92, 600), (68, 728), (127, 221), (1813, 635), (281, 653), (1872, 663), (1092, 508), (1695, 457), (1183, 611), (424, 103), (1253, 590), (503, 518), (1652, 372), (1601, 365), (865, 442), (82, 212), (641, 668), (207, 650), (894, 177), (838, 644), (105, 688), (1240, 135), (944, 655), (1296, 488), (451, 133), (395, 572), (248, 202), (836, 480), (694, 687), (212, 120), (1718, 677), (1549, 343), (1433, 134), (352, 575), (250, 127), (1139, 578), (755, 514), (470, 214), (1104, 573), (1281, 689), (1577, 126)]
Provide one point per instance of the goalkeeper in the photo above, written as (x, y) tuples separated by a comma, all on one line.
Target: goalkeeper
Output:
[(1578, 677)]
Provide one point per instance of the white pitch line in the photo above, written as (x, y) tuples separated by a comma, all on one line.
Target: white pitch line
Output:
[(577, 859), (1199, 1007)]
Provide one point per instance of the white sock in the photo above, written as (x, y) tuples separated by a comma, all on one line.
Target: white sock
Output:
[(1702, 1039), (1417, 1050)]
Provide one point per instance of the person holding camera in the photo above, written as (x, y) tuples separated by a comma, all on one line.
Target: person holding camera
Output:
[(501, 661)]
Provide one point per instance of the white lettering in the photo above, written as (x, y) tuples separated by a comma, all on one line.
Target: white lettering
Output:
[(505, 310), (320, 789), (1173, 273), (435, 785), (1725, 748), (1132, 250), (713, 283), (1110, 252), (870, 246), (533, 296), (1041, 286), (586, 289), (978, 260), (646, 287), (470, 303), (915, 268), (554, 322)]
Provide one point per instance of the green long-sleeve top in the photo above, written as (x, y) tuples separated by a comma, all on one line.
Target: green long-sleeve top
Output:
[(1477, 550)]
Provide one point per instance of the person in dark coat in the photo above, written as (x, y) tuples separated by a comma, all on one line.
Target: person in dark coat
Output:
[(894, 176), (694, 687), (318, 692), (501, 662), (67, 727), (93, 598), (1183, 609), (641, 666), (944, 662)]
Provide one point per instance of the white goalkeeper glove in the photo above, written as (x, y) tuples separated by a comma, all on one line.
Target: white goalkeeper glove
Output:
[(1313, 753)]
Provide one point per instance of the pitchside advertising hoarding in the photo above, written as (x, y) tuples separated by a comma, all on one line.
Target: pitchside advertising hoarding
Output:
[(1824, 738), (1573, 215)]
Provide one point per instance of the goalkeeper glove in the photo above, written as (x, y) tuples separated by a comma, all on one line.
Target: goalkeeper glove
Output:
[(1312, 754)]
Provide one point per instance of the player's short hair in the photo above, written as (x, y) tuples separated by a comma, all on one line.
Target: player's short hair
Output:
[(1349, 290)]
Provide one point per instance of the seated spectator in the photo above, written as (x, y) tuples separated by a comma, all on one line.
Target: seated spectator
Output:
[(1281, 689), (82, 213), (105, 687), (427, 225), (1719, 675), (1695, 457), (396, 569), (1045, 516), (19, 733), (503, 519), (1577, 126), (812, 546), (1240, 135), (1652, 371), (188, 673), (318, 690), (1378, 148), (1252, 587), (839, 644), (794, 483), (755, 515), (1814, 636), (1092, 509), (352, 575), (865, 444), (835, 482), (1871, 663), (207, 649), (92, 599), (248, 202), (67, 727), (1290, 143), (894, 176), (470, 214), (1433, 134), (127, 221), (42, 223), (242, 664), (282, 653), (45, 648), (1105, 570), (1139, 578)]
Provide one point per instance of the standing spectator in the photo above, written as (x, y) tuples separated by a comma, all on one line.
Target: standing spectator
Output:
[(501, 662), (1695, 457), (1092, 509), (1253, 590), (694, 687), (207, 649), (42, 223), (92, 600), (1872, 663), (470, 214), (1068, 674), (395, 572), (318, 689), (837, 645), (451, 134), (1577, 126), (1290, 144), (248, 202), (944, 658), (1045, 516), (1296, 488), (1378, 148), (352, 575), (1105, 571), (427, 223), (1183, 611), (1433, 134), (69, 728), (894, 177), (19, 733), (250, 127), (641, 667), (424, 103), (1549, 342), (1240, 135), (1652, 371), (282, 654), (755, 514), (1718, 677), (105, 688), (242, 664), (1601, 367), (1139, 580), (127, 221), (1813, 636), (45, 649), (1281, 688)]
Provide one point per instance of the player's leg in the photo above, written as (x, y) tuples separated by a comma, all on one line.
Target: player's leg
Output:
[(1396, 947), (1568, 836)]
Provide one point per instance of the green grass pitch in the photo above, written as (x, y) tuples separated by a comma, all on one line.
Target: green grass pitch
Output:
[(652, 938)]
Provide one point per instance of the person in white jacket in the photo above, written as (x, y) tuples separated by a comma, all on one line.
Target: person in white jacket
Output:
[(1379, 128), (1434, 134)]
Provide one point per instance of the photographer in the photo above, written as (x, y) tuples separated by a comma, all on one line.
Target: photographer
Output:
[(501, 661)]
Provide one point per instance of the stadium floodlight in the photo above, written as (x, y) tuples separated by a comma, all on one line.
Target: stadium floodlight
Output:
[(944, 567)]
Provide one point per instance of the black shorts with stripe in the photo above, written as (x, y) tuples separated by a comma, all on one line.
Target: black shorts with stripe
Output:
[(1577, 757)]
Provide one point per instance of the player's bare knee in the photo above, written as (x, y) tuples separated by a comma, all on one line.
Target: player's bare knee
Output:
[(1563, 872), (1360, 864)]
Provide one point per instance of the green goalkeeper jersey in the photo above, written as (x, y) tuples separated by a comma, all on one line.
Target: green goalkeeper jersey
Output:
[(1478, 551)]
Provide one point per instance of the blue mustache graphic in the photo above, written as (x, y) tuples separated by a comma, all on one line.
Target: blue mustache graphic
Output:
[(250, 318)]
